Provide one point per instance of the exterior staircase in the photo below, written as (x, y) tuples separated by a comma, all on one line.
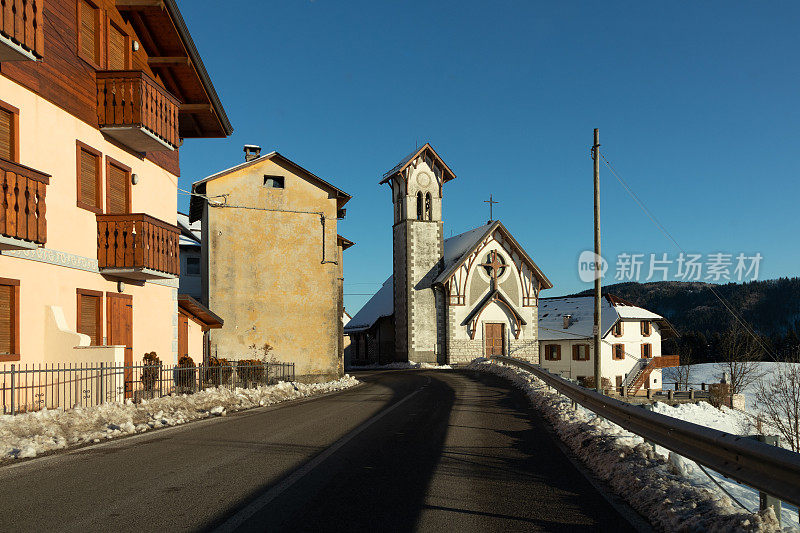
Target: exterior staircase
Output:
[(641, 372)]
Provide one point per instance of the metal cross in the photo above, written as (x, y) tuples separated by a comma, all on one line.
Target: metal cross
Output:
[(490, 202), (495, 264)]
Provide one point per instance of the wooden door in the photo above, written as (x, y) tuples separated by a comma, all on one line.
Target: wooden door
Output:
[(120, 332), (493, 336), (183, 335)]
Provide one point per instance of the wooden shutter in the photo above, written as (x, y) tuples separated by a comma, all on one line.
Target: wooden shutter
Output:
[(117, 190), (646, 350), (558, 352), (89, 178), (88, 39), (89, 317), (117, 48), (6, 134), (8, 306), (576, 356), (183, 335)]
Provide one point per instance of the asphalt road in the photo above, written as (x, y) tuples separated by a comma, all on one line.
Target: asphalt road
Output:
[(423, 450)]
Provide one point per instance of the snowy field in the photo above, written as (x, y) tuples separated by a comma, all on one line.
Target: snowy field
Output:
[(401, 366), (673, 491), (30, 434)]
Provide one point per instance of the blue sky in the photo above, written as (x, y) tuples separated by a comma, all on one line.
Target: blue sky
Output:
[(696, 104)]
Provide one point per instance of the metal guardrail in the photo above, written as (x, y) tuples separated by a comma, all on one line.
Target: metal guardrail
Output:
[(770, 469)]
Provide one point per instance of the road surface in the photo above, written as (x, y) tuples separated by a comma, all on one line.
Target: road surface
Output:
[(409, 450)]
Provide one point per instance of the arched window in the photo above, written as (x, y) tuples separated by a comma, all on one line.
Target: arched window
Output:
[(419, 205), (428, 207)]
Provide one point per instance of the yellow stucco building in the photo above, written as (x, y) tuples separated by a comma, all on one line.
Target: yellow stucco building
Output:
[(271, 263)]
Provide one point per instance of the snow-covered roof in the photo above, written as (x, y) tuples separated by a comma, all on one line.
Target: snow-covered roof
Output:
[(407, 160), (552, 311), (381, 304), (191, 232)]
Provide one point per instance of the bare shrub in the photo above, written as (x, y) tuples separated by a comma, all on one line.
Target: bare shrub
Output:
[(739, 354), (779, 398)]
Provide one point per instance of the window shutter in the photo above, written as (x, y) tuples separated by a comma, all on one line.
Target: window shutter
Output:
[(575, 353), (558, 352), (90, 317), (183, 335), (7, 319), (89, 164), (88, 31), (117, 200), (6, 134), (116, 49)]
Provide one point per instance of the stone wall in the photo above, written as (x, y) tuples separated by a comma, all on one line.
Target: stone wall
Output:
[(527, 349), (464, 350)]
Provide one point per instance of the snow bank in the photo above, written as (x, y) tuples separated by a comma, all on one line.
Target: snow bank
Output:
[(400, 366), (29, 434), (656, 486)]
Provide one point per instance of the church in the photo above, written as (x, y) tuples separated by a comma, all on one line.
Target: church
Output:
[(448, 300)]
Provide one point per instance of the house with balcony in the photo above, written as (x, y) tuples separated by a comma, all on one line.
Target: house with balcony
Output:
[(630, 348), (96, 98)]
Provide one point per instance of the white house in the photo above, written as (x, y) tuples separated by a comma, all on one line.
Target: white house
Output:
[(631, 341)]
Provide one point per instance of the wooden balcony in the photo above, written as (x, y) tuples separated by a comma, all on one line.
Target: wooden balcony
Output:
[(666, 361), (137, 246), (21, 30), (133, 109), (23, 224)]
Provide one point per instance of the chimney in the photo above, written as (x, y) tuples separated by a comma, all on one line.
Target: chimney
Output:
[(567, 319), (251, 151)]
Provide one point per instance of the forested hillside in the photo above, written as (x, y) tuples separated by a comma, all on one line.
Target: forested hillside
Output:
[(771, 307)]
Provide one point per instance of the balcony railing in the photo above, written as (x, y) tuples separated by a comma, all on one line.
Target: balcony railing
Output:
[(666, 361), (137, 246), (22, 206), (133, 109), (21, 30)]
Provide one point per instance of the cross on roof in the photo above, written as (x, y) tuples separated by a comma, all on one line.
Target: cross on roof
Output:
[(490, 202)]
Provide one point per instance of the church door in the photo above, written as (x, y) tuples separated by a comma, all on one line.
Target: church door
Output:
[(493, 336)]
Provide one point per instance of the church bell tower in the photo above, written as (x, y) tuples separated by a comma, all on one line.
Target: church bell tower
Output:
[(418, 250)]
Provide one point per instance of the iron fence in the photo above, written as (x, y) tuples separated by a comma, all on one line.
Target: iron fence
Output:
[(25, 388)]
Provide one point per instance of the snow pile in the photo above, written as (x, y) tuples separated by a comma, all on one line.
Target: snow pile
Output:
[(29, 434), (401, 366), (654, 485)]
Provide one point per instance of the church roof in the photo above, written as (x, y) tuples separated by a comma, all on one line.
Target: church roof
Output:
[(403, 164), (458, 248), (381, 304)]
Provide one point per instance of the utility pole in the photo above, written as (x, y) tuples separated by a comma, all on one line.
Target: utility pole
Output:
[(597, 266)]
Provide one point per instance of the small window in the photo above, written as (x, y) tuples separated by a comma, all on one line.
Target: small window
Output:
[(9, 320), (192, 266), (647, 350), (428, 207), (619, 351), (118, 187), (419, 206), (552, 352), (646, 328), (273, 182), (9, 131), (89, 174), (118, 48), (617, 329), (90, 315), (89, 32), (580, 352)]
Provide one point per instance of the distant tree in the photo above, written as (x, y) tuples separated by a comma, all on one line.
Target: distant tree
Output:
[(739, 356), (685, 370), (779, 398)]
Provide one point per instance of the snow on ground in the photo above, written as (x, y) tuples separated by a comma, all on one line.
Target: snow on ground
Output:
[(401, 365), (666, 489), (30, 434)]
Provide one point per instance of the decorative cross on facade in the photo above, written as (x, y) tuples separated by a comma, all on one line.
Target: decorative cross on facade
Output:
[(495, 264), (490, 202)]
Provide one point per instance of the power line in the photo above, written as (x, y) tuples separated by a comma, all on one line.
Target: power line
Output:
[(669, 236)]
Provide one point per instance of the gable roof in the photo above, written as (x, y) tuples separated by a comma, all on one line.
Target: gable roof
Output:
[(458, 248), (344, 242), (199, 187), (493, 296), (380, 305), (406, 161)]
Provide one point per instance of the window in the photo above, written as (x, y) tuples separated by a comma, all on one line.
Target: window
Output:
[(618, 351), (90, 315), (89, 185), (118, 48), (9, 319), (419, 206), (647, 350), (118, 187), (89, 32), (494, 263), (580, 352), (428, 207), (9, 132), (192, 266), (273, 182), (617, 329), (552, 352), (646, 328)]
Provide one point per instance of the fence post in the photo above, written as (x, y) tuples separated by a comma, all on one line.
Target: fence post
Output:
[(13, 408), (767, 500), (670, 394), (101, 388), (691, 394)]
